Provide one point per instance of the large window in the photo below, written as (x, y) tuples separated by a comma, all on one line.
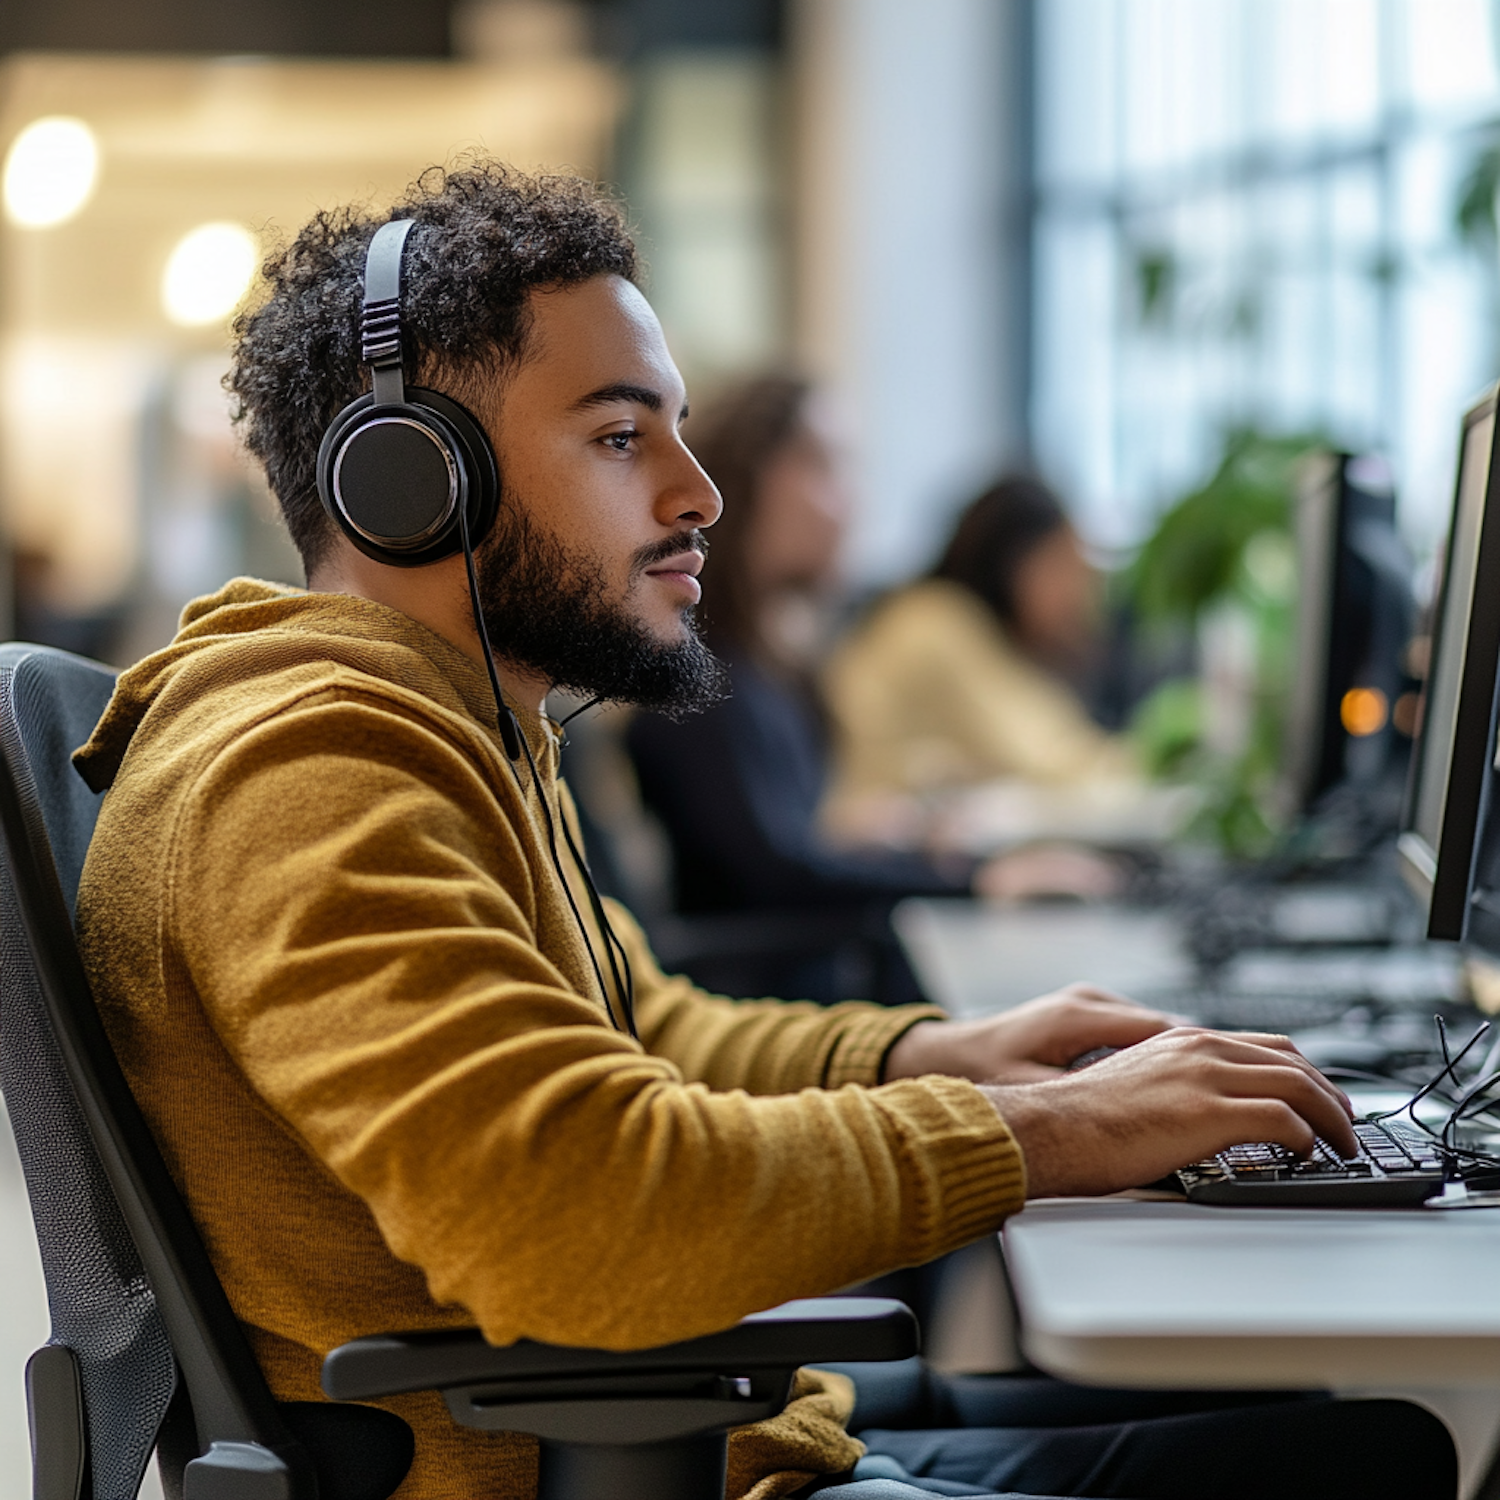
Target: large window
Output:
[(1247, 215)]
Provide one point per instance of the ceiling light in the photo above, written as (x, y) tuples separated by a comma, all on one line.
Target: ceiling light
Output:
[(50, 171), (208, 273)]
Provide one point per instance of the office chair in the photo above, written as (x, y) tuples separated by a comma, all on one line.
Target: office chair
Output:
[(145, 1350)]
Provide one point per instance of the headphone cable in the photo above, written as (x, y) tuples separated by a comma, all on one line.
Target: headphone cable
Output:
[(510, 730), (583, 708), (624, 988)]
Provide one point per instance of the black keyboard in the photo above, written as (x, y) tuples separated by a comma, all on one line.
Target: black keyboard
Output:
[(1396, 1165)]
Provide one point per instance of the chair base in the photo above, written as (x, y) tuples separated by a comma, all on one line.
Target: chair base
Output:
[(689, 1469)]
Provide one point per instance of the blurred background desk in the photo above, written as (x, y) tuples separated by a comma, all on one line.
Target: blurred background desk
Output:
[(974, 959)]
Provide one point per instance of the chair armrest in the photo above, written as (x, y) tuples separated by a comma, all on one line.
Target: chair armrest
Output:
[(796, 1333)]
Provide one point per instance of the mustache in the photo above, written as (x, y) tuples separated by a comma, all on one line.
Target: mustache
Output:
[(669, 546)]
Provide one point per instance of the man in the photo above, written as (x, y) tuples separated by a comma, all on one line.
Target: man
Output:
[(340, 960)]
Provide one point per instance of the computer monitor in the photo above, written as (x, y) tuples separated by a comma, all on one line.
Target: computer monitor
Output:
[(1355, 615), (1452, 759)]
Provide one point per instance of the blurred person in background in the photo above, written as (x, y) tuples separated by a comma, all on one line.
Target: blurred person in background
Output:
[(967, 676), (739, 787)]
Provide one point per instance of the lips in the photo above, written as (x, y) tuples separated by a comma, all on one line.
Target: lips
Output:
[(688, 562), (681, 569)]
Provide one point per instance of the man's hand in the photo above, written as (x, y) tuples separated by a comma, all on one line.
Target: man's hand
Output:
[(1174, 1099), (1029, 1043)]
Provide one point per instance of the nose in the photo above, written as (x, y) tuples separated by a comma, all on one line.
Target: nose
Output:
[(690, 498)]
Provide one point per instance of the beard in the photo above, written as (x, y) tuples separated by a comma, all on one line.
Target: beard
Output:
[(549, 612)]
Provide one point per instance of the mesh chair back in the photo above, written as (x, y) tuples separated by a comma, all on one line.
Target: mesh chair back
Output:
[(100, 1301), (130, 1286), (56, 700)]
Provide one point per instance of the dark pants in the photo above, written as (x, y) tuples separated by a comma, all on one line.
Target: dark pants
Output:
[(1026, 1434)]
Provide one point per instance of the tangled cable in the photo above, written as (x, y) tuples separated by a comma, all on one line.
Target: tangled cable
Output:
[(1472, 1099)]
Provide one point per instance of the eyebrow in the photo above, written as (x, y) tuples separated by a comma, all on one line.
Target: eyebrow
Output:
[(624, 391)]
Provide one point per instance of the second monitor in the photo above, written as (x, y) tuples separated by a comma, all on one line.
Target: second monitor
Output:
[(1355, 612), (1451, 763)]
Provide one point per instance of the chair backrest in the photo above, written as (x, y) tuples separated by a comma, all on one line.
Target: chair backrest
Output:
[(130, 1288), (56, 702)]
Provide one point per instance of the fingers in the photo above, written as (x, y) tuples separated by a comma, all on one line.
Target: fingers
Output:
[(1273, 1121), (1317, 1108), (1057, 1028), (1121, 1026), (1087, 999), (1270, 1039), (1097, 996), (1086, 989), (1250, 1049), (1246, 1073)]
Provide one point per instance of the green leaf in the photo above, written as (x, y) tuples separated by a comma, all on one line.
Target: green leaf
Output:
[(1195, 556), (1228, 540), (1474, 214), (1167, 726)]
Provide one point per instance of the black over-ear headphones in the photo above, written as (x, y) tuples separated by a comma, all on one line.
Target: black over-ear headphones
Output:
[(408, 476), (401, 471)]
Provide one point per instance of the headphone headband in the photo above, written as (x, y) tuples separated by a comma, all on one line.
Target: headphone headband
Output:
[(380, 316)]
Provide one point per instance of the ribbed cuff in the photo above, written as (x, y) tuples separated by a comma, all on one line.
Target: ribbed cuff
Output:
[(964, 1170), (859, 1053)]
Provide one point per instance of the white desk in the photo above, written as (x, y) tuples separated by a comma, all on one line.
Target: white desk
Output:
[(1112, 1292)]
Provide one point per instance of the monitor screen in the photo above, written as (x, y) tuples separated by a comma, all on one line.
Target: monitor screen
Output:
[(1317, 522), (1354, 619), (1450, 765)]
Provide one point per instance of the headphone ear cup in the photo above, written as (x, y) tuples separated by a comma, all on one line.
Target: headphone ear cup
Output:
[(394, 478), (477, 458), (333, 441)]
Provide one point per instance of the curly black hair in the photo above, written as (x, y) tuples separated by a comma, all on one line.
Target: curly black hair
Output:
[(503, 233)]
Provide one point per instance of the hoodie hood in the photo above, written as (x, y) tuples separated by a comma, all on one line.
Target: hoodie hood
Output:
[(248, 631)]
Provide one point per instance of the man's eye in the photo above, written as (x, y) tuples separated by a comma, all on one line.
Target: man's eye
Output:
[(620, 441)]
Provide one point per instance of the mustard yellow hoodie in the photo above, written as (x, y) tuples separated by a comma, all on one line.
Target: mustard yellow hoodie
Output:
[(330, 947)]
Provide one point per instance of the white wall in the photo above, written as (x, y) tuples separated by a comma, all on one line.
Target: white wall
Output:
[(902, 262)]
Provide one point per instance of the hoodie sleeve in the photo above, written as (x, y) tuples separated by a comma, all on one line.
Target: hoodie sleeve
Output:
[(363, 922), (761, 1046)]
